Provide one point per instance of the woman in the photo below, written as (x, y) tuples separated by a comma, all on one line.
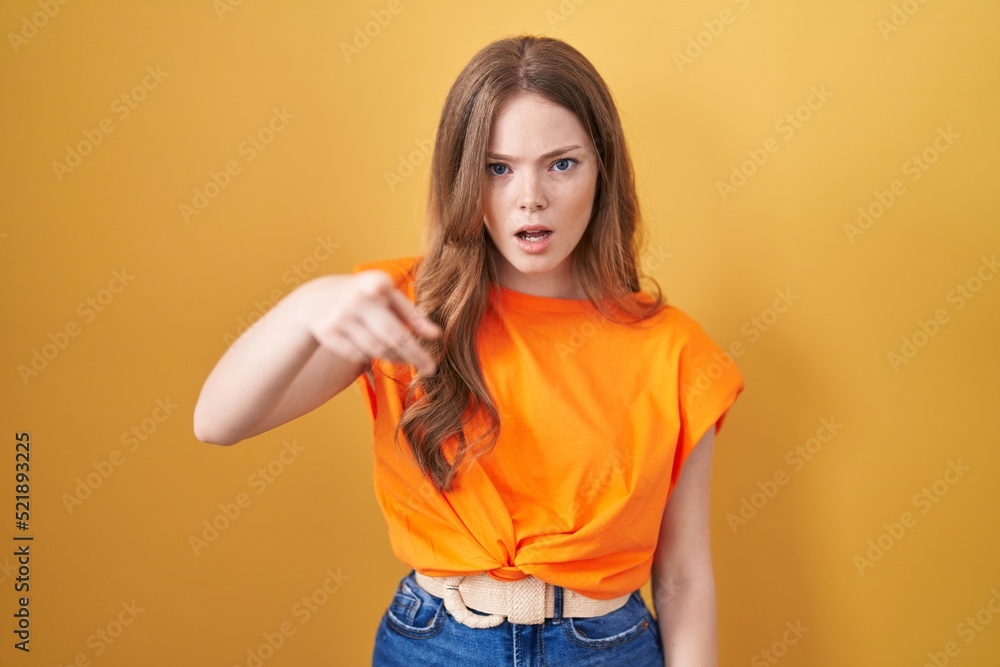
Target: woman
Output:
[(533, 407)]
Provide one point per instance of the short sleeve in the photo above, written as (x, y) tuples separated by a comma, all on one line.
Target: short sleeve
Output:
[(366, 383), (709, 382)]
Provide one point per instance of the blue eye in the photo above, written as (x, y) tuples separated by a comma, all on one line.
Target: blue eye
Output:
[(567, 161), (493, 170)]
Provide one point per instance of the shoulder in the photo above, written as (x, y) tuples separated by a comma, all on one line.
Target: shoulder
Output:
[(682, 321), (678, 339), (677, 323)]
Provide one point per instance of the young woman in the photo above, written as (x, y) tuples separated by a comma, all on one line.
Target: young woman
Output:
[(533, 406)]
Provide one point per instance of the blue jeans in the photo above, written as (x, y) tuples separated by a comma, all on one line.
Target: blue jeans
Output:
[(416, 630)]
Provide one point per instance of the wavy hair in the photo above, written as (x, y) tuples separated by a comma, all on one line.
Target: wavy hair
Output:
[(460, 265)]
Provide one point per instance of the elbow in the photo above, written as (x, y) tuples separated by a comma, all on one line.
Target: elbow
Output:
[(208, 432), (668, 590), (210, 437), (683, 574)]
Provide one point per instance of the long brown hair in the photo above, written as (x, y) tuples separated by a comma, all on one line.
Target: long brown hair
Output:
[(460, 266)]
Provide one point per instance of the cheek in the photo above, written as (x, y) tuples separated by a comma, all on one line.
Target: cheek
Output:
[(493, 210), (584, 199), (489, 213)]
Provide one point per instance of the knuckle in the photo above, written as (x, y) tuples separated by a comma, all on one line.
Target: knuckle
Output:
[(373, 282)]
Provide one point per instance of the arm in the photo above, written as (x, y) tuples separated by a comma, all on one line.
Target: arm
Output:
[(307, 349), (682, 578)]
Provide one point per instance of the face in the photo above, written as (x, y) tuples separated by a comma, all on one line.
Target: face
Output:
[(541, 172)]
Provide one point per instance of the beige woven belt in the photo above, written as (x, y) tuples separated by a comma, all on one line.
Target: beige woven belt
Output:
[(527, 601)]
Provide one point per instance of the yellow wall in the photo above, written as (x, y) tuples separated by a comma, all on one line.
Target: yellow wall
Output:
[(129, 300)]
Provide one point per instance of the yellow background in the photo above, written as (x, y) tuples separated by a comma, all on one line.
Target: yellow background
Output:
[(889, 89)]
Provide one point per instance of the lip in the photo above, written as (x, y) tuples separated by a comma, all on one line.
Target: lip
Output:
[(535, 247), (531, 228)]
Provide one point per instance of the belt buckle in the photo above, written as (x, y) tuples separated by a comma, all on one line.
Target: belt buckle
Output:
[(525, 601)]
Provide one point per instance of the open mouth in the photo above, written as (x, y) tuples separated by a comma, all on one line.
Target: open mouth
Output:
[(533, 235), (534, 240)]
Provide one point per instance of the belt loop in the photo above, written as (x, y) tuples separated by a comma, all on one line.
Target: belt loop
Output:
[(557, 601)]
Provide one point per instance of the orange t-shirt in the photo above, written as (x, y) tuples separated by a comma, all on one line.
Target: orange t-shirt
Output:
[(596, 421)]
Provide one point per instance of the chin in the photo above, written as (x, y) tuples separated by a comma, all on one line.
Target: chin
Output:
[(536, 266)]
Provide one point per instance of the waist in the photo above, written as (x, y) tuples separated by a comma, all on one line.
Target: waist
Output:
[(528, 600)]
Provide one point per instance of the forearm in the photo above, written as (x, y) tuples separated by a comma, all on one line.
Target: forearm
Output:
[(686, 617), (255, 372), (306, 350)]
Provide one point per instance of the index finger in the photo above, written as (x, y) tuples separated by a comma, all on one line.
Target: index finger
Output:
[(411, 315)]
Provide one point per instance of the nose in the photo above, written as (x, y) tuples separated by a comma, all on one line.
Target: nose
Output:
[(531, 195)]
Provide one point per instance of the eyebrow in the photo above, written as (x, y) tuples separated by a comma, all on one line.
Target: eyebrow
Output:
[(550, 154)]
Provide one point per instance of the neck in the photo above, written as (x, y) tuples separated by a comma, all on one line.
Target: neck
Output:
[(560, 283)]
